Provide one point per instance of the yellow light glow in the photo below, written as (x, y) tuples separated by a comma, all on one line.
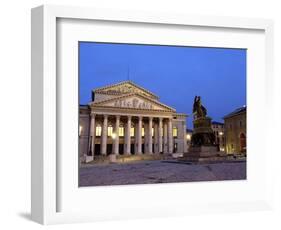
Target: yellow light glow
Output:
[(113, 135), (80, 130), (132, 131), (142, 132), (121, 131), (220, 133), (188, 136), (98, 131), (175, 132), (109, 131)]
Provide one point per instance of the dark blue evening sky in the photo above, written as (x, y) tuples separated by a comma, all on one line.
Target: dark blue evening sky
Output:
[(176, 74)]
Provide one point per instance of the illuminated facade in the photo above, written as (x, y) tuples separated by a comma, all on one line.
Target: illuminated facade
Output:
[(126, 119), (235, 131), (188, 137), (218, 129)]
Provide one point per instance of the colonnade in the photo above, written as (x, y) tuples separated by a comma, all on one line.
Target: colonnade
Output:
[(163, 135)]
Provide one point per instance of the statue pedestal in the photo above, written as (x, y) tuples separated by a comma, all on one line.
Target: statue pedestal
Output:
[(202, 151), (203, 148), (203, 134), (203, 154)]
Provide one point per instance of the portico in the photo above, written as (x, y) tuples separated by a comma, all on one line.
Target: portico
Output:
[(125, 119)]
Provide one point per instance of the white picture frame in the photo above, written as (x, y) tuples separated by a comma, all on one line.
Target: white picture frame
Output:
[(49, 190)]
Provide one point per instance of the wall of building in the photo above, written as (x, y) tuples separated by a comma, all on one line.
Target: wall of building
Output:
[(180, 140), (234, 127), (218, 129), (84, 131)]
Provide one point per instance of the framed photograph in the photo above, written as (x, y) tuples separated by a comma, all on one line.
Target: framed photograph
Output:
[(141, 114)]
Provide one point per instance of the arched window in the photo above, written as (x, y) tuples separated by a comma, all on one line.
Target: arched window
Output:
[(240, 124)]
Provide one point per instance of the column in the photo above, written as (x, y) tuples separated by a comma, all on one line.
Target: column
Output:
[(150, 135), (170, 136), (116, 141), (136, 138), (184, 138), (155, 138), (160, 134), (128, 136), (92, 135), (165, 137), (139, 136), (104, 135), (145, 137)]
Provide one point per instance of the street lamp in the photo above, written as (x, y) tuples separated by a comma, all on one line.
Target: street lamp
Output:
[(113, 136), (188, 137)]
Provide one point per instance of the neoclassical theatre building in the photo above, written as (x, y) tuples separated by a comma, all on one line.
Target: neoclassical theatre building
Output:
[(125, 120)]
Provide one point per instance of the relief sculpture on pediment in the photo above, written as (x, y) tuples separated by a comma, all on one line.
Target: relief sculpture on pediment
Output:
[(125, 89), (135, 103)]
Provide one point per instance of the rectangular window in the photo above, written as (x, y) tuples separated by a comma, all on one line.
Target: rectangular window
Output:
[(142, 132), (121, 131), (109, 131), (175, 132), (98, 131), (132, 132)]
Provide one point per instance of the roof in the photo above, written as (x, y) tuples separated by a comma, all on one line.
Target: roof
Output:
[(84, 109), (81, 106), (101, 89), (217, 123), (236, 112), (134, 94), (180, 114)]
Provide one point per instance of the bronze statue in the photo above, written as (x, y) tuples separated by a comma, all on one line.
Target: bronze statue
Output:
[(203, 134), (199, 110)]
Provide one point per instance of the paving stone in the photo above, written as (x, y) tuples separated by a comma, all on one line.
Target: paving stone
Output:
[(158, 171)]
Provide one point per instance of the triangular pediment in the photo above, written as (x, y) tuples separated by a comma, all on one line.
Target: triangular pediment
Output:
[(126, 87), (134, 101)]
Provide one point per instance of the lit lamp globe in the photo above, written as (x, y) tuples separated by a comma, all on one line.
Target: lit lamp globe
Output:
[(113, 136)]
